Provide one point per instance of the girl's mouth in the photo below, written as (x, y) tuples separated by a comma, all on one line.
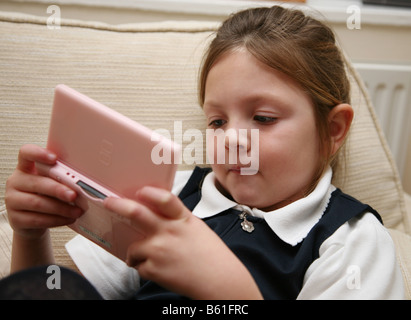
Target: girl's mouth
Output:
[(243, 170)]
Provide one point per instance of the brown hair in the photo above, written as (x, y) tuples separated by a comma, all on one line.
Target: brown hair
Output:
[(291, 42)]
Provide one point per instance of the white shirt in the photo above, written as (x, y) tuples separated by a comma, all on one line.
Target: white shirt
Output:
[(357, 262)]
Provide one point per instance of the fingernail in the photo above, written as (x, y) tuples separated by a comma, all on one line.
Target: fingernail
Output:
[(69, 195), (107, 202), (162, 196), (51, 157)]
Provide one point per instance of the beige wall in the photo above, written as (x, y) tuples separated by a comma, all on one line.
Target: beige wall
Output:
[(372, 43)]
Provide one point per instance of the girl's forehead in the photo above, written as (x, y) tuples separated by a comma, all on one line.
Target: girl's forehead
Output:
[(239, 75)]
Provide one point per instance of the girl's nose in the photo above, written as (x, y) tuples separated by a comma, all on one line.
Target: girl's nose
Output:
[(237, 139)]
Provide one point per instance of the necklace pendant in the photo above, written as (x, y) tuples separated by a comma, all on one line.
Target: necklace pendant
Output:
[(246, 225)]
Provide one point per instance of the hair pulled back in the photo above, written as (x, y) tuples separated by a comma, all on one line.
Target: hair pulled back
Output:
[(291, 42)]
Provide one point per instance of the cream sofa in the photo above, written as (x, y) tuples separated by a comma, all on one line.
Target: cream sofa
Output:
[(149, 72)]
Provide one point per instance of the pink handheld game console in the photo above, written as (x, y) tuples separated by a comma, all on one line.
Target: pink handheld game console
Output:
[(103, 153)]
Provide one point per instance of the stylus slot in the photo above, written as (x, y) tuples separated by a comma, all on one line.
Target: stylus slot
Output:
[(91, 191)]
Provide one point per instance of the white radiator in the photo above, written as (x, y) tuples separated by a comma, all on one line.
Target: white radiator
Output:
[(390, 89)]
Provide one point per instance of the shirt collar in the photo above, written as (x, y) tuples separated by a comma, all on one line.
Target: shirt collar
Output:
[(291, 223), (212, 200)]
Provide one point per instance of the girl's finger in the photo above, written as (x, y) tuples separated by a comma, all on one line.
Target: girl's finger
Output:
[(162, 202), (45, 205), (30, 220), (29, 154), (136, 255), (45, 186), (141, 217)]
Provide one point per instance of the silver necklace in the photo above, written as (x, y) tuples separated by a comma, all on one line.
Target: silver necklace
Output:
[(246, 225)]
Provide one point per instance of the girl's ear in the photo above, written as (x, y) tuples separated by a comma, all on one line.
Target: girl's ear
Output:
[(339, 119)]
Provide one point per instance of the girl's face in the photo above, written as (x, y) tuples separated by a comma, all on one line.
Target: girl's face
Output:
[(243, 93)]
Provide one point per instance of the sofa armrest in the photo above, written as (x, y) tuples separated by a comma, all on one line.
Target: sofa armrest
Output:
[(6, 235), (407, 198)]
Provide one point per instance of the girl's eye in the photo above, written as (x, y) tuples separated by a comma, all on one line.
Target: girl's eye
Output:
[(264, 119), (217, 123)]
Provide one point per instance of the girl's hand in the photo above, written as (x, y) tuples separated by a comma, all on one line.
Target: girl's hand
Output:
[(35, 203), (179, 251)]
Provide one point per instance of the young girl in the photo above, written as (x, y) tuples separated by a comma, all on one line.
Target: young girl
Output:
[(284, 232)]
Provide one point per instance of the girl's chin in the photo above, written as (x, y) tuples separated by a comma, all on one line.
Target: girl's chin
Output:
[(246, 197)]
